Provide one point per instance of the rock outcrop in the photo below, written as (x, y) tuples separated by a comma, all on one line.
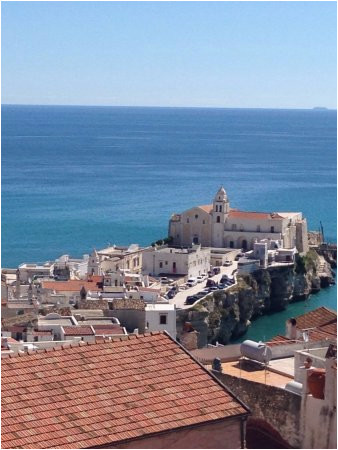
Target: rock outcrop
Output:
[(223, 315)]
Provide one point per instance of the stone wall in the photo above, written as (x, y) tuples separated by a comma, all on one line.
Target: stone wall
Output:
[(277, 407)]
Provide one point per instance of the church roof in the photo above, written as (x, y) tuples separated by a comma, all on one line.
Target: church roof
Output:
[(206, 208), (236, 214)]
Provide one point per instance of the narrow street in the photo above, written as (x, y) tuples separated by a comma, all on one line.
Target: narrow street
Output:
[(180, 298)]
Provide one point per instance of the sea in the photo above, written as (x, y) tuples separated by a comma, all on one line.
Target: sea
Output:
[(75, 178)]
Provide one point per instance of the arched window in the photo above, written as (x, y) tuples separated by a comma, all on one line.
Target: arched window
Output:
[(218, 219), (272, 229), (216, 208), (220, 209)]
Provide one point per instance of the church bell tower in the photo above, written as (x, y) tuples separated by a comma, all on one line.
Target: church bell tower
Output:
[(220, 212)]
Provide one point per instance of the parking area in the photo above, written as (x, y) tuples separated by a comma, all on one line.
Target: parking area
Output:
[(180, 298)]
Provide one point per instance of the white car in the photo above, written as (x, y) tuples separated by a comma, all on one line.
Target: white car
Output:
[(192, 281), (200, 279)]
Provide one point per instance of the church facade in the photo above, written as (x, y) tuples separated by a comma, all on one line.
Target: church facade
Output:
[(218, 225)]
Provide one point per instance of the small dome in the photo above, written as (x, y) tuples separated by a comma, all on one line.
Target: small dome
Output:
[(221, 194)]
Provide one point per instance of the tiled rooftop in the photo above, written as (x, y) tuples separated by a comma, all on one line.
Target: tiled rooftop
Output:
[(108, 330), (322, 324), (78, 331), (103, 393), (70, 285), (319, 317), (235, 213)]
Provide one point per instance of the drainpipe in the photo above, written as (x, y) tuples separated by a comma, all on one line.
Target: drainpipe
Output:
[(243, 429)]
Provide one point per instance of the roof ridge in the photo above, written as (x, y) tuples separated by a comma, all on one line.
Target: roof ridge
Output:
[(65, 346)]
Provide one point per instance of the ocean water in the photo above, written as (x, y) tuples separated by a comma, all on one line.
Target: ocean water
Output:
[(75, 178)]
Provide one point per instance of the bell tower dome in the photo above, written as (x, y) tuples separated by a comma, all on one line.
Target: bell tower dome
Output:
[(221, 202)]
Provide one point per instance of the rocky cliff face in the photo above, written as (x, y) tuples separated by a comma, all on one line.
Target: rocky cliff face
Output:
[(223, 315)]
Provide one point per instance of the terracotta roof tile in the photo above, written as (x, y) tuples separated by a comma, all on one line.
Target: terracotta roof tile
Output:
[(78, 331), (319, 317), (321, 324), (108, 330), (96, 394), (206, 208), (70, 285), (253, 215)]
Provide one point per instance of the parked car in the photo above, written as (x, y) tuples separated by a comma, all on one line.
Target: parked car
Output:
[(216, 270), (191, 299), (224, 278), (192, 281), (210, 283), (205, 291), (200, 279), (171, 293), (222, 285), (227, 263), (164, 280), (213, 288)]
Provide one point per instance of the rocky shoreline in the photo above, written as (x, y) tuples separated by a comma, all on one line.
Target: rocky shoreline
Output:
[(225, 315)]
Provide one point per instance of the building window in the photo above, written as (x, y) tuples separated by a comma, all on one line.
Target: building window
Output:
[(163, 319), (166, 263), (218, 219), (161, 265), (220, 209), (231, 244), (195, 240), (216, 208), (258, 228), (196, 216), (272, 229), (203, 222), (187, 219), (233, 226)]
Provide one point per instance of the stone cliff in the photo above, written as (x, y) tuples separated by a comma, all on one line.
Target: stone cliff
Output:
[(223, 315)]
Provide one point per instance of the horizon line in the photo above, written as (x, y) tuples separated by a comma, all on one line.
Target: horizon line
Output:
[(316, 108)]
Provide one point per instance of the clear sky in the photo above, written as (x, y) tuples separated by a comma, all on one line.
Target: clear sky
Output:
[(224, 54)]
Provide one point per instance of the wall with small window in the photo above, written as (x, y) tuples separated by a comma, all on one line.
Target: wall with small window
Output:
[(160, 318)]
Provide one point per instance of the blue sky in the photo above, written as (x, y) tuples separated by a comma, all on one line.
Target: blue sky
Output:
[(221, 54)]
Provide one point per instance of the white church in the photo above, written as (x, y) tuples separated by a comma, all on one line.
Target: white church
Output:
[(218, 225)]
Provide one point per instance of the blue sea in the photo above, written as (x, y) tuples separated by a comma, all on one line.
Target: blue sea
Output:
[(75, 178)]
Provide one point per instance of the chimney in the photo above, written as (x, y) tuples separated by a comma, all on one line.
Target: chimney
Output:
[(291, 328)]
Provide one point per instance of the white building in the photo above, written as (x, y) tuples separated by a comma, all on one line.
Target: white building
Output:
[(218, 225), (160, 317), (160, 261), (114, 258), (26, 272)]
